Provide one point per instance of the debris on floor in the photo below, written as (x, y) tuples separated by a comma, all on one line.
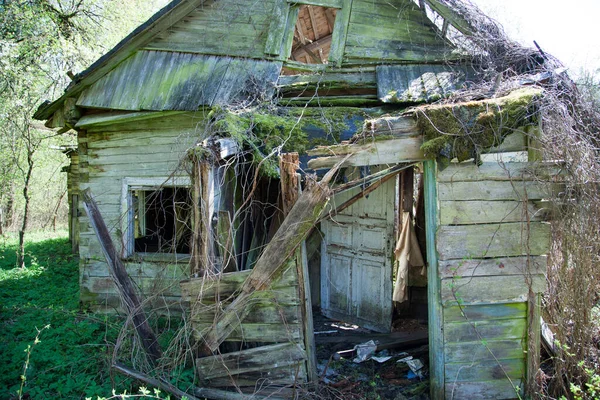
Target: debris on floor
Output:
[(361, 364)]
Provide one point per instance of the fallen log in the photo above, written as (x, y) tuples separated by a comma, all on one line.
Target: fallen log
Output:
[(122, 280)]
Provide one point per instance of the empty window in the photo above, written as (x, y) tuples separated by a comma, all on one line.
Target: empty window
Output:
[(312, 34), (160, 220)]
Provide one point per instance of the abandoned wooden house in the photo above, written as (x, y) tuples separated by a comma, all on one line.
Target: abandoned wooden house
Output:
[(199, 135)]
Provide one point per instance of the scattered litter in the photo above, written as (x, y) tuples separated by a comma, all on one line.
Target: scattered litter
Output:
[(381, 359), (364, 351), (325, 332), (405, 359)]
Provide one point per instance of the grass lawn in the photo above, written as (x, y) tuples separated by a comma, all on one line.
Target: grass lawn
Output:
[(71, 360)]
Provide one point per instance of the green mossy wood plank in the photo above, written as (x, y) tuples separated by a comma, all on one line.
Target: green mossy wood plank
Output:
[(486, 212), (494, 171), (497, 190), (402, 33), (493, 267), (417, 83), (485, 371), (490, 289), (434, 303), (488, 351), (155, 80), (277, 27), (228, 28), (492, 390), (485, 312), (340, 33), (493, 240), (473, 331)]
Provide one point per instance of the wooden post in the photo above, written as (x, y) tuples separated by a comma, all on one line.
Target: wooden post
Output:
[(201, 246), (122, 281), (434, 303), (288, 164), (290, 190)]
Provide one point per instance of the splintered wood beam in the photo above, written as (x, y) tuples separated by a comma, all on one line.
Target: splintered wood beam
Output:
[(288, 165), (313, 22), (293, 230), (382, 152), (123, 282)]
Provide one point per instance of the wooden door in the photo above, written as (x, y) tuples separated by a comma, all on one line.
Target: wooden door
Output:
[(356, 263)]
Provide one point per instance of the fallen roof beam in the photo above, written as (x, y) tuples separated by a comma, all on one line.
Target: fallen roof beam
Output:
[(379, 152)]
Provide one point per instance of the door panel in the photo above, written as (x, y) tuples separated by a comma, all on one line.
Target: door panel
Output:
[(356, 264)]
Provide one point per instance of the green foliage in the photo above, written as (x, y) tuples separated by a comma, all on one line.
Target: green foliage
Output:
[(71, 357), (266, 129)]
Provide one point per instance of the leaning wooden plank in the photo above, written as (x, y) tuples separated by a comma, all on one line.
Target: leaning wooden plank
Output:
[(490, 289), (257, 359), (121, 279), (493, 267), (292, 232), (485, 212), (391, 151), (493, 240), (494, 389)]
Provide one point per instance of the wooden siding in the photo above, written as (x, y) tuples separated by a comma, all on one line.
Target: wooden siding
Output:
[(154, 80), (395, 30), (490, 262), (419, 82), (141, 149), (235, 28), (274, 320)]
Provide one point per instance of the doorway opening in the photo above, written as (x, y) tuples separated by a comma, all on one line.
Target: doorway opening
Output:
[(369, 284)]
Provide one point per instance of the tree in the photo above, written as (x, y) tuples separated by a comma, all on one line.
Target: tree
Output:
[(40, 42)]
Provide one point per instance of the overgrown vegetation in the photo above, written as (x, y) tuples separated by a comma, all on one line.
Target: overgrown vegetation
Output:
[(570, 121), (50, 347)]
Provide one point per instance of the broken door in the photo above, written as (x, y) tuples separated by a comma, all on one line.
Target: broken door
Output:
[(356, 264)]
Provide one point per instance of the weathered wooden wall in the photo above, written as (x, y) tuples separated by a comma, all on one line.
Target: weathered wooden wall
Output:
[(491, 243), (274, 324), (109, 153), (395, 30), (72, 171)]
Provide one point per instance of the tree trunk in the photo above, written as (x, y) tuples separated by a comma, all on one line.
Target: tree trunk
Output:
[(21, 254)]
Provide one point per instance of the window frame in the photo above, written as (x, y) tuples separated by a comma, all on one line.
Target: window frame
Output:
[(129, 185)]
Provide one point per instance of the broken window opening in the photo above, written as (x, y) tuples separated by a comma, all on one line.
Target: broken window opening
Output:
[(312, 34), (161, 220)]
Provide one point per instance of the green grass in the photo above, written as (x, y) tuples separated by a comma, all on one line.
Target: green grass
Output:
[(72, 359)]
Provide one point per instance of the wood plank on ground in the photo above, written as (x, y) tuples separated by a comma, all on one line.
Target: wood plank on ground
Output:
[(257, 359)]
